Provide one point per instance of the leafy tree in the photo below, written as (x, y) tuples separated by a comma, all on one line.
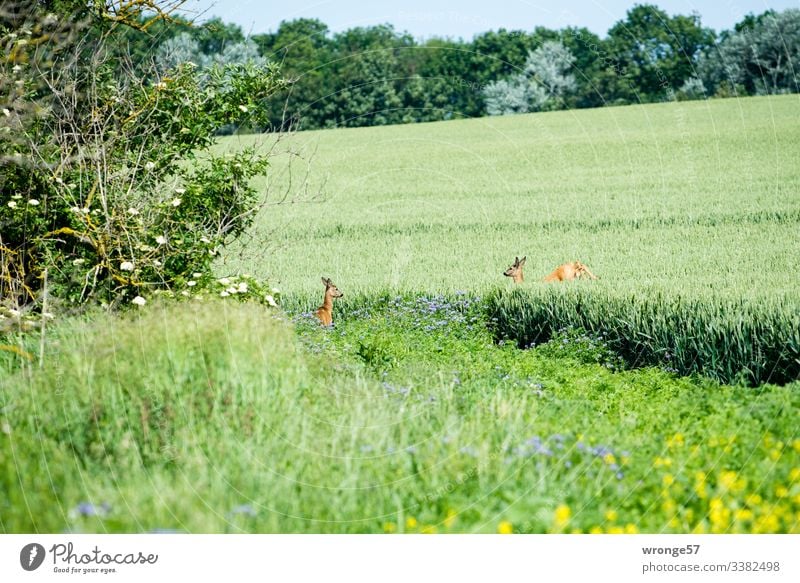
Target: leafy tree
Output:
[(544, 82), (760, 56), (653, 54)]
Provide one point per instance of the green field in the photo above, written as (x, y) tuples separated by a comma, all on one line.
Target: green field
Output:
[(699, 196), (414, 414)]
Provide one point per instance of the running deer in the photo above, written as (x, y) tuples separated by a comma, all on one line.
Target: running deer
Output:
[(570, 271), (515, 271), (325, 311)]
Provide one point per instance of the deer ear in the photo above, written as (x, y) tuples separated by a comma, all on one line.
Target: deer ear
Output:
[(522, 262), (516, 260), (325, 281)]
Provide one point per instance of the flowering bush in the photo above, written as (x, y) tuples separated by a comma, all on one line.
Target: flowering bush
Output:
[(112, 190)]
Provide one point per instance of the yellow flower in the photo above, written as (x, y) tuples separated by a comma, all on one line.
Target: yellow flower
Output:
[(625, 460), (631, 528), (753, 500), (781, 492), (668, 479), (389, 527), (662, 462), (616, 530), (743, 515), (731, 481), (674, 522), (796, 445), (596, 530), (611, 515), (766, 523), (411, 522), (609, 458), (505, 527), (562, 515), (794, 475), (775, 454), (668, 506), (450, 518), (700, 489), (699, 528), (675, 441)]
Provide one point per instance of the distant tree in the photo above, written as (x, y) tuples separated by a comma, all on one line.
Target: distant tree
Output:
[(179, 50), (652, 54), (545, 80), (762, 55), (304, 49)]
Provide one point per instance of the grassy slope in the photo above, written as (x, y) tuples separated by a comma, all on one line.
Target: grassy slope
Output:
[(693, 195)]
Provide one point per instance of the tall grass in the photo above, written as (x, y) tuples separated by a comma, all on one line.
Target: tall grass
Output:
[(728, 340)]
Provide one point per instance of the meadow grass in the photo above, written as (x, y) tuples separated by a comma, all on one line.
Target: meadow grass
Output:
[(405, 417)]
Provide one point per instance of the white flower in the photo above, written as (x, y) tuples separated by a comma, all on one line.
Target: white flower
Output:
[(12, 204), (75, 209), (161, 240), (243, 108), (17, 68), (205, 240), (197, 275), (176, 202), (85, 210), (232, 290), (180, 191), (79, 261), (224, 281), (33, 202), (224, 294), (149, 165), (14, 313), (275, 290), (133, 211), (161, 85), (156, 262), (17, 197), (191, 283), (126, 266), (48, 315), (185, 293), (271, 301), (139, 301), (6, 112), (242, 288), (6, 428)]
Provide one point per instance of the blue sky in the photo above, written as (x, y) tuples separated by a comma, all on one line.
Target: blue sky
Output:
[(465, 18)]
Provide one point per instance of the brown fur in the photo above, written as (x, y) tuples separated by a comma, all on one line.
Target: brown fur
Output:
[(570, 271), (515, 271), (325, 311)]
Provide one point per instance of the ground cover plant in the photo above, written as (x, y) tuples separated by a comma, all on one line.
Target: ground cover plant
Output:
[(407, 416)]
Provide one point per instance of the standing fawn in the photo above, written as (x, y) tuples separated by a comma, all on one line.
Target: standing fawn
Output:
[(570, 271), (515, 271), (325, 311)]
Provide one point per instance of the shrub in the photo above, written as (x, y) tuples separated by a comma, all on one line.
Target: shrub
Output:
[(109, 187)]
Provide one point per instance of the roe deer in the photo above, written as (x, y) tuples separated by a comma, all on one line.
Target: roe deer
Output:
[(515, 271), (570, 271), (325, 311)]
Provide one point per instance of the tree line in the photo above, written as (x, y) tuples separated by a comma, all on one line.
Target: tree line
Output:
[(376, 75)]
